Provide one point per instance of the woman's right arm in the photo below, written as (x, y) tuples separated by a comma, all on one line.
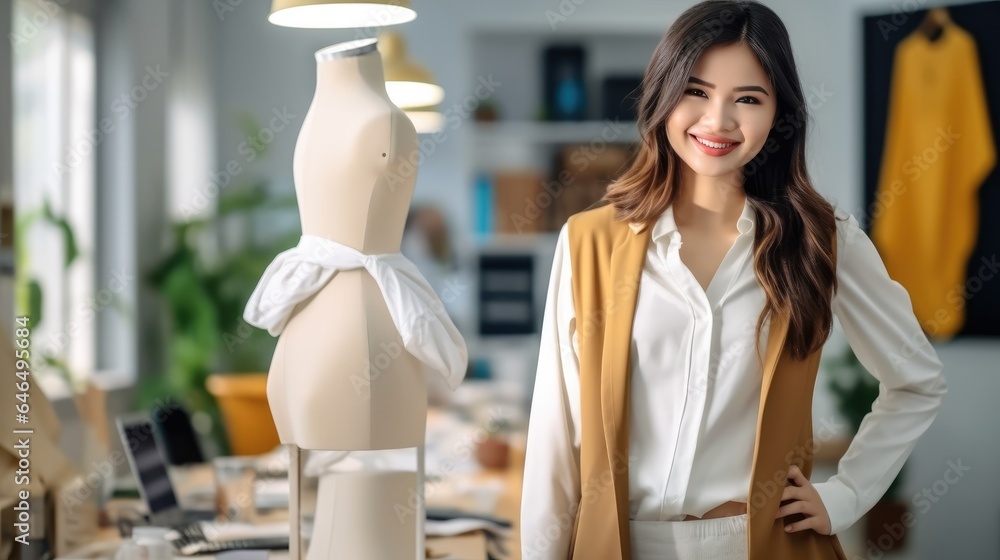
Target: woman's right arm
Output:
[(551, 492)]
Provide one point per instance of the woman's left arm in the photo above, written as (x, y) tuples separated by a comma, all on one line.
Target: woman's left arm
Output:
[(877, 316)]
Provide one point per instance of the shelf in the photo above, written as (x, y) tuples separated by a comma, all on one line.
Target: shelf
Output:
[(518, 150), (517, 240), (582, 132)]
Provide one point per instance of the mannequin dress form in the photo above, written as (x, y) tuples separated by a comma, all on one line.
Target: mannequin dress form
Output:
[(339, 379)]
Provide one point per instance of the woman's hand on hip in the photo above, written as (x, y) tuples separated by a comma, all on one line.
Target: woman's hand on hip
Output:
[(805, 500)]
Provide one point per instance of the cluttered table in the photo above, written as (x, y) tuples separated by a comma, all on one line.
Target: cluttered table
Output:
[(472, 545)]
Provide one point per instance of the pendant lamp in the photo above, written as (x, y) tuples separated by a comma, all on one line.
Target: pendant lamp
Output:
[(427, 120), (340, 13), (407, 82)]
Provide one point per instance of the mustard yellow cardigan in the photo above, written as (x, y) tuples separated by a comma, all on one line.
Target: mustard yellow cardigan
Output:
[(607, 258)]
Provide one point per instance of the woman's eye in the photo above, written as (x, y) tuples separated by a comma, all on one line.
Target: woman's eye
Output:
[(699, 93)]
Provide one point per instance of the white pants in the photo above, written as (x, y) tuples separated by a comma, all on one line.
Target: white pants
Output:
[(722, 538)]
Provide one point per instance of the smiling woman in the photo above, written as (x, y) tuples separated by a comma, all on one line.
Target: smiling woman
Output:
[(714, 90), (672, 411), (708, 115)]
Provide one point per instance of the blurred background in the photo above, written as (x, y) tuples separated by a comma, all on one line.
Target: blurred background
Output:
[(146, 181)]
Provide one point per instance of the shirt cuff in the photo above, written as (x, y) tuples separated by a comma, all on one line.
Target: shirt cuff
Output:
[(840, 503)]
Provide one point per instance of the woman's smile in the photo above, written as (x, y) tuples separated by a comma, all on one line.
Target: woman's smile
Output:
[(715, 149)]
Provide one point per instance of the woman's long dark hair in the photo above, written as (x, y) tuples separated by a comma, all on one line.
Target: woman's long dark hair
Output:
[(793, 252)]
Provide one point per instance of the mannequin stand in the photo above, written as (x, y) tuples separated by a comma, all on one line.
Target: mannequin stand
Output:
[(294, 502), (387, 481)]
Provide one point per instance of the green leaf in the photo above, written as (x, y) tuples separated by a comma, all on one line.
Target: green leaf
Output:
[(34, 302), (69, 241), (284, 202), (61, 367), (248, 124), (61, 223), (251, 128), (22, 292), (47, 210), (243, 199)]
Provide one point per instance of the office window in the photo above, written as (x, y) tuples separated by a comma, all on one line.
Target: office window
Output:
[(55, 142)]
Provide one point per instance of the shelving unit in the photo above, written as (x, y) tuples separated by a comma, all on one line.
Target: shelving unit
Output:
[(507, 241), (519, 142), (538, 132)]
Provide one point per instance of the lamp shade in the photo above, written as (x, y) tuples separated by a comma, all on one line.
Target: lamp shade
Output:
[(407, 82), (426, 120), (340, 13)]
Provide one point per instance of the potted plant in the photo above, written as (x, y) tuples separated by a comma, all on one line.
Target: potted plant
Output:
[(205, 281), (856, 389), (493, 448)]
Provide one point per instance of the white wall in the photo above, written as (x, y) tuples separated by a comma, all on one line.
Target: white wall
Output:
[(262, 67), (6, 107)]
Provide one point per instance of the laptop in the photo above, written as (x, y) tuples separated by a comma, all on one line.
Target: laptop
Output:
[(180, 442), (149, 467)]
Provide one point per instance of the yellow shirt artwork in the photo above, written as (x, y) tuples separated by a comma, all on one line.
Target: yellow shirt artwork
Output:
[(938, 151)]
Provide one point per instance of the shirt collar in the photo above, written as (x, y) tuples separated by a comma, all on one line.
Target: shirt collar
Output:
[(665, 224)]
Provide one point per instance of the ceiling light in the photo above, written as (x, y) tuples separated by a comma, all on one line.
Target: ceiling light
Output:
[(340, 13)]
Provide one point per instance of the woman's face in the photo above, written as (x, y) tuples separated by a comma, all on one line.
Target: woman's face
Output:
[(729, 103)]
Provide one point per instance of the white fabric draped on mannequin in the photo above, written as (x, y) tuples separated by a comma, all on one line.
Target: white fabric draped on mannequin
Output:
[(419, 315)]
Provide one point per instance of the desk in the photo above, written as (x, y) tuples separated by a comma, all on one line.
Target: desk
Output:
[(509, 504), (470, 546)]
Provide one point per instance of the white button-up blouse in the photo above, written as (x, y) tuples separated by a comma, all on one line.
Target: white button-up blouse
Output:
[(696, 387)]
